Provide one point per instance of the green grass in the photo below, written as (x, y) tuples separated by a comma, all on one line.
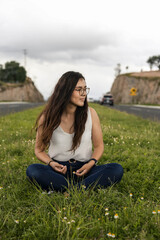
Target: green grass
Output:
[(29, 213)]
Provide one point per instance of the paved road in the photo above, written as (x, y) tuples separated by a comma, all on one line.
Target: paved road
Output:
[(12, 107), (147, 112)]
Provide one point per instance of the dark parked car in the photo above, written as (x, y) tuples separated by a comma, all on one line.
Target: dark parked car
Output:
[(107, 99)]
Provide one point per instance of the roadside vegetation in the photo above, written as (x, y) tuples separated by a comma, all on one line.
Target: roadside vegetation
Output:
[(128, 210), (12, 72)]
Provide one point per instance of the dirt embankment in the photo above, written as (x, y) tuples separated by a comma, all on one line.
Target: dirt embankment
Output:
[(20, 92), (147, 85)]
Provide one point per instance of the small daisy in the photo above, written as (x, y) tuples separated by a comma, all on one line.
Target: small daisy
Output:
[(158, 211), (50, 192), (116, 216), (16, 221), (65, 218), (59, 211), (109, 234), (142, 198), (1, 187), (107, 213), (72, 221), (64, 208), (106, 209), (154, 212), (113, 235), (68, 222), (130, 194)]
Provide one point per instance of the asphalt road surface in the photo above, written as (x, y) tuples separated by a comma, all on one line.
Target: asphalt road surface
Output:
[(12, 107), (147, 112)]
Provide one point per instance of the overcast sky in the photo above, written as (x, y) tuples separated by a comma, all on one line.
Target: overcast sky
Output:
[(89, 36)]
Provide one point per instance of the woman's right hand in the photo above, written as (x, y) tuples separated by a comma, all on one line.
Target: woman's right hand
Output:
[(58, 167)]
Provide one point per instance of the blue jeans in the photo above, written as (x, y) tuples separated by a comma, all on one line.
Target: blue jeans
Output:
[(101, 175)]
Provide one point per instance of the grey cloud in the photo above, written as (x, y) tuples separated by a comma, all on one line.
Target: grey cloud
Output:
[(61, 43)]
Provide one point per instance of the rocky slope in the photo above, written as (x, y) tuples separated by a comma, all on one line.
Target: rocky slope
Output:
[(147, 85), (20, 92)]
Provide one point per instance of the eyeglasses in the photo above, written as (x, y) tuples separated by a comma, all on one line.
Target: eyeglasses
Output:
[(82, 90)]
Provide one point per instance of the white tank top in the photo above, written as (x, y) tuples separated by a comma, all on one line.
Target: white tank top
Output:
[(61, 143)]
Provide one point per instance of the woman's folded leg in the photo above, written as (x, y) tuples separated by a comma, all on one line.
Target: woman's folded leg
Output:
[(46, 177), (103, 175)]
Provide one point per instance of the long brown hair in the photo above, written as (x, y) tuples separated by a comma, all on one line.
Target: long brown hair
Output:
[(56, 105)]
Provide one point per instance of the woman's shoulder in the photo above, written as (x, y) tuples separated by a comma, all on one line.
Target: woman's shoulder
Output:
[(92, 110), (41, 119), (93, 113)]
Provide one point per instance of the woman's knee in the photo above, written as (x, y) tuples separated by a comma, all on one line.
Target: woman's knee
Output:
[(118, 171), (32, 171)]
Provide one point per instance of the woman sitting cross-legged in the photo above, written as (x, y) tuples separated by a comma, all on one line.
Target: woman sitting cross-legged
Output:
[(69, 128)]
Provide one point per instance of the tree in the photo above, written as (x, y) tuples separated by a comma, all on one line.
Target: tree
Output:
[(127, 68), (154, 60), (12, 72)]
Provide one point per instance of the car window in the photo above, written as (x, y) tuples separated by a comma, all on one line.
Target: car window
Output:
[(107, 96)]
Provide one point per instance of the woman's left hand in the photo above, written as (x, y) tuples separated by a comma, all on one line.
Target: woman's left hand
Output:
[(85, 169)]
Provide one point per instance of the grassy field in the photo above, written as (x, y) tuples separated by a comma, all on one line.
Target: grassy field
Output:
[(128, 210)]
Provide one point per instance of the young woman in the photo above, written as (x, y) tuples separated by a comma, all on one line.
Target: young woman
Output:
[(67, 127)]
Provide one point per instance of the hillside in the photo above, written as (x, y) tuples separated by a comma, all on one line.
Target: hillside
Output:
[(147, 85), (20, 92)]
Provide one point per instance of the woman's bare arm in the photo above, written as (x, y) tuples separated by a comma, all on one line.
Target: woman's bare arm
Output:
[(97, 139), (97, 136), (42, 155)]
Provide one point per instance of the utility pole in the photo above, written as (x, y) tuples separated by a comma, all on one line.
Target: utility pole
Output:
[(25, 57)]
